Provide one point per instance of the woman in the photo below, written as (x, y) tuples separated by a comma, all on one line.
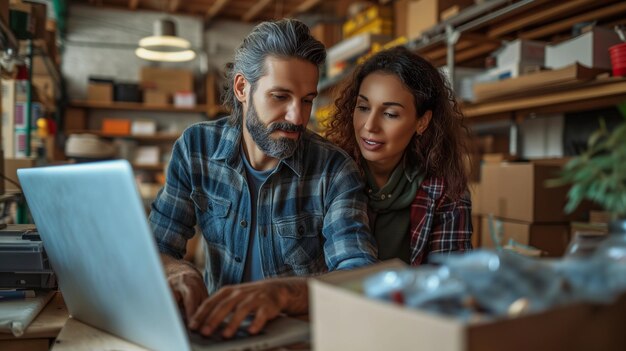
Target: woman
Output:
[(400, 122)]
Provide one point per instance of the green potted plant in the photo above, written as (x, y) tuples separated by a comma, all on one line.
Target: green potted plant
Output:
[(599, 174)]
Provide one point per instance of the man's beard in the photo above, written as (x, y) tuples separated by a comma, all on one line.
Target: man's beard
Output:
[(280, 148)]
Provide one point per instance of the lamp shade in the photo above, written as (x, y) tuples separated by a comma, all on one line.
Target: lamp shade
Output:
[(164, 45)]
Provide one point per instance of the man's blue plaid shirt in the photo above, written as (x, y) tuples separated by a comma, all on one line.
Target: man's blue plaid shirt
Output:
[(311, 211)]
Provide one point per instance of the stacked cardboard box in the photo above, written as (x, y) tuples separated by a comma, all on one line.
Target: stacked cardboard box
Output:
[(523, 208)]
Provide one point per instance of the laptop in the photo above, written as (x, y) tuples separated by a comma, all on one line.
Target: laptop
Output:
[(93, 225)]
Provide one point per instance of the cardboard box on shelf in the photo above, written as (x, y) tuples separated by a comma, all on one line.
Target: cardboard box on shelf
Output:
[(400, 17), (147, 155), (116, 126), (343, 319), (143, 127), (517, 191), (45, 86), (74, 119), (424, 14), (169, 80), (39, 15), (327, 32), (542, 136), (156, 98), (603, 217), (590, 49), (589, 228), (522, 51), (11, 165), (552, 239), (100, 92), (184, 99)]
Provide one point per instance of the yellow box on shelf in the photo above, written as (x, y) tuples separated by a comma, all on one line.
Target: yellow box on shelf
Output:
[(364, 17), (378, 26)]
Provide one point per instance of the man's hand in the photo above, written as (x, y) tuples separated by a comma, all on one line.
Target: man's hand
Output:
[(265, 300), (186, 284)]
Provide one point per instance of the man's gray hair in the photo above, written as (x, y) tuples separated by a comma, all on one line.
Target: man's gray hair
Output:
[(286, 38)]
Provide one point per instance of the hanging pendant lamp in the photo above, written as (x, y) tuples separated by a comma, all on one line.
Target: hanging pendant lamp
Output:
[(164, 45)]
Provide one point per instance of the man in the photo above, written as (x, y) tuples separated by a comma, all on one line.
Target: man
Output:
[(270, 198)]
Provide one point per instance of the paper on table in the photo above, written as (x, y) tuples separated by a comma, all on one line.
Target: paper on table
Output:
[(16, 315)]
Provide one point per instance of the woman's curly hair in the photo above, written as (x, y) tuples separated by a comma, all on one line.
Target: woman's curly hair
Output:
[(442, 148)]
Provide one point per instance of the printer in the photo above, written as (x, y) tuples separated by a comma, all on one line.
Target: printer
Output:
[(23, 260)]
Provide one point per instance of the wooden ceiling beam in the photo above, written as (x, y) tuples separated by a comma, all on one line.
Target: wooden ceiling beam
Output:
[(304, 7), (133, 4), (255, 10), (215, 8), (174, 5)]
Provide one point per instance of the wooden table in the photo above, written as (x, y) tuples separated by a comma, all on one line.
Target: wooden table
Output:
[(72, 335), (42, 331), (78, 336)]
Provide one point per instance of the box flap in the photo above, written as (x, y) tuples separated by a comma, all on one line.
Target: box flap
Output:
[(337, 277)]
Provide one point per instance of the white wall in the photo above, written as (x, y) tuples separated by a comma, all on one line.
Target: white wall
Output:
[(102, 42), (222, 38)]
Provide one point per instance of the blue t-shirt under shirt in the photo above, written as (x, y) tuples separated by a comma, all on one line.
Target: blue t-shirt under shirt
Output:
[(253, 270)]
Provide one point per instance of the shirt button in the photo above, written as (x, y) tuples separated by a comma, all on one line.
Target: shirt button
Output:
[(238, 259), (301, 230), (382, 196), (243, 223)]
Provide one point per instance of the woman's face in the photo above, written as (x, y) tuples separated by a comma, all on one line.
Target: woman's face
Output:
[(385, 119)]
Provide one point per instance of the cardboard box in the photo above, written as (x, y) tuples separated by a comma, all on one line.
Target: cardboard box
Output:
[(475, 192), (590, 49), (589, 228), (147, 155), (74, 119), (400, 17), (346, 320), (517, 191), (45, 86), (527, 51), (100, 92), (143, 127), (11, 165), (328, 33), (421, 15), (184, 99), (542, 136), (39, 15), (169, 80), (552, 239), (424, 14), (113, 126), (156, 98)]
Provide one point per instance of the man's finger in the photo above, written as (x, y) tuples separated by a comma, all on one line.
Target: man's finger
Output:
[(242, 310), (221, 310), (262, 316)]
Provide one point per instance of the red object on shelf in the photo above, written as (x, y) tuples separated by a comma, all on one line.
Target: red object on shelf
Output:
[(618, 59), (22, 72)]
